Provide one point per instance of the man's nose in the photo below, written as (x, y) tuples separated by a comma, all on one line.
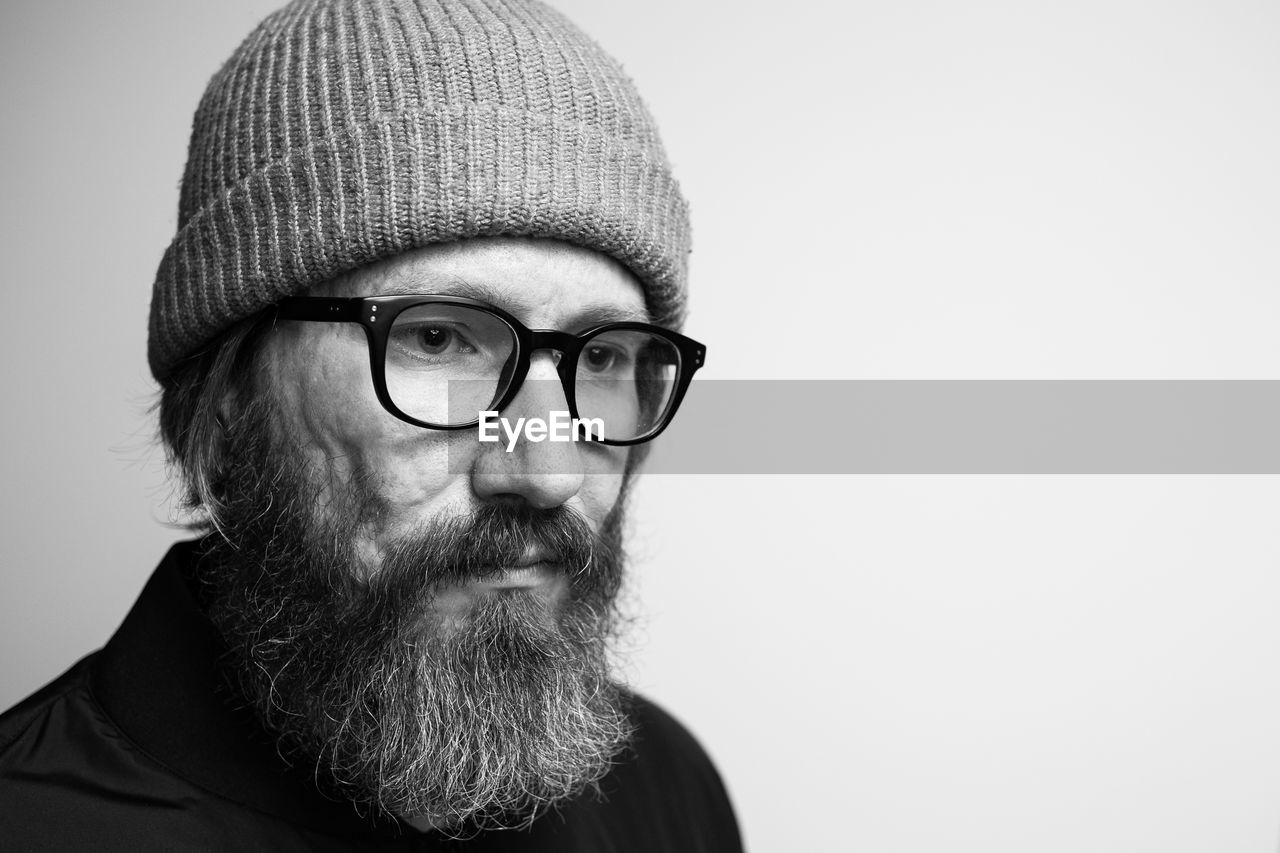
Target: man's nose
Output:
[(544, 473)]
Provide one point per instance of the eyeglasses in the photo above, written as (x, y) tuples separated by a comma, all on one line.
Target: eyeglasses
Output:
[(439, 361)]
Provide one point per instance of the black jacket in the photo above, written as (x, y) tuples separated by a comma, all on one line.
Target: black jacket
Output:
[(136, 748)]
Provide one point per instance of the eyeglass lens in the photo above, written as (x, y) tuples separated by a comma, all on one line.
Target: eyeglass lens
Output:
[(447, 363)]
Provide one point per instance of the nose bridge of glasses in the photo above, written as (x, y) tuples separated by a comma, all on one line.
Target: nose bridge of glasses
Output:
[(563, 347), (559, 342)]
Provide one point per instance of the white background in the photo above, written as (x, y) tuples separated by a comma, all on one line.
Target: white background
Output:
[(880, 190)]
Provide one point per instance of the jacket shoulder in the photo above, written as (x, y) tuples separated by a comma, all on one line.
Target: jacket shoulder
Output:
[(662, 739), (15, 721), (665, 792)]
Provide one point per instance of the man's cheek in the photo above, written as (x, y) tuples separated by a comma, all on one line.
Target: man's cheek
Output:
[(402, 500), (600, 496)]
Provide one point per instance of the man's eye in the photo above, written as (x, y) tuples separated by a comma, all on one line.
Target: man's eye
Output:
[(434, 340), (600, 358)]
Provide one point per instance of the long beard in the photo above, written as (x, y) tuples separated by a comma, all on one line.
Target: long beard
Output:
[(480, 723)]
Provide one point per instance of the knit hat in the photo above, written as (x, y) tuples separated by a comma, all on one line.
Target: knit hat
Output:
[(342, 132)]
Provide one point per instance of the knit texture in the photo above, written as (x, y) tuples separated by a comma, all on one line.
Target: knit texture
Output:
[(342, 132)]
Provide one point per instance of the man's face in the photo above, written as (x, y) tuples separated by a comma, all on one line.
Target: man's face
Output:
[(423, 616), (321, 373)]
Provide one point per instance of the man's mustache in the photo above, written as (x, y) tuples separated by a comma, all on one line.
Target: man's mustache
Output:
[(496, 536)]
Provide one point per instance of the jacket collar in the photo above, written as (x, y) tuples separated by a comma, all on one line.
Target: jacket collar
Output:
[(158, 680)]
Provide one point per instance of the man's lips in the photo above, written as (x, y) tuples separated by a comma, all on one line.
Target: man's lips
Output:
[(520, 577), (543, 578), (533, 568)]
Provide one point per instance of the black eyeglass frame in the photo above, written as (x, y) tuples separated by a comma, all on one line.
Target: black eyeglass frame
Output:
[(377, 315)]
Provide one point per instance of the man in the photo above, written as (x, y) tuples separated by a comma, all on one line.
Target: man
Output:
[(400, 220)]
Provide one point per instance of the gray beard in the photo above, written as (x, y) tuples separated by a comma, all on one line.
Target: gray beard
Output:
[(483, 725)]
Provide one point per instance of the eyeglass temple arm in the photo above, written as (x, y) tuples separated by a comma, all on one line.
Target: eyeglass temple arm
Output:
[(326, 309)]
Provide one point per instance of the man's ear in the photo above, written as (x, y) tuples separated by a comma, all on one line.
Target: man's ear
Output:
[(234, 376), (228, 386), (229, 402)]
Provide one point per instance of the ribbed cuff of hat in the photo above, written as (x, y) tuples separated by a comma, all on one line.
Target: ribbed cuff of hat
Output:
[(411, 180)]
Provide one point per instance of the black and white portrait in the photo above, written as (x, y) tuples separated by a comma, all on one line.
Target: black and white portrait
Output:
[(507, 425)]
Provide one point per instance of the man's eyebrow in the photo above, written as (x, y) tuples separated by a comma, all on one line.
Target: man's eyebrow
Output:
[(594, 314), (451, 285), (510, 299)]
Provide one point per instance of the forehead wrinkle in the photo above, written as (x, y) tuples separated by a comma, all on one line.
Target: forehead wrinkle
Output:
[(421, 274), (506, 297), (452, 284)]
